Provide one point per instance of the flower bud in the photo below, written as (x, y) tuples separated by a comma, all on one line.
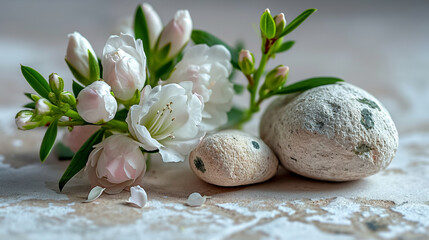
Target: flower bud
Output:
[(77, 58), (43, 106), (276, 77), (23, 120), (177, 33), (280, 24), (124, 65), (56, 83), (153, 22), (116, 163), (68, 97), (246, 61), (95, 103)]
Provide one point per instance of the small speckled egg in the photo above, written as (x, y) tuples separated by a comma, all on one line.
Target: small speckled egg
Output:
[(233, 158)]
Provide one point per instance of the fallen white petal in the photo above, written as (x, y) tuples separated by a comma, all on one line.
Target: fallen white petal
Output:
[(95, 193), (138, 196), (196, 200)]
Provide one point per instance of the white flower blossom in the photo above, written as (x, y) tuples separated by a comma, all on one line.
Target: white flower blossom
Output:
[(167, 119), (208, 68), (124, 65)]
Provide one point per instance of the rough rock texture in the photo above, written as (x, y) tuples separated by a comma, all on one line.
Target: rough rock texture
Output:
[(233, 158), (335, 132)]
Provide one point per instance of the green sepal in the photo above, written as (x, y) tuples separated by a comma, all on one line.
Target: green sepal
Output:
[(48, 140), (141, 30), (285, 46), (307, 84), (36, 81), (76, 88), (94, 69), (80, 158), (297, 21), (29, 96), (267, 25), (202, 37)]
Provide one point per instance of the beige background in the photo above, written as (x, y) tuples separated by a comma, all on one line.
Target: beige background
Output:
[(381, 46)]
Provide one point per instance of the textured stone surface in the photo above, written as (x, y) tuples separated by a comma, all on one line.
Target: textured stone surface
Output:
[(233, 158), (335, 132)]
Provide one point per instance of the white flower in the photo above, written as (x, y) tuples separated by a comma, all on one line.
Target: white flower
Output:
[(95, 103), (177, 32), (77, 55), (116, 163), (124, 65), (208, 68), (167, 118), (153, 22)]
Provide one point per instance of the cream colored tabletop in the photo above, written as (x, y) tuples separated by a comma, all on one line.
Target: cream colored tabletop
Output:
[(381, 46)]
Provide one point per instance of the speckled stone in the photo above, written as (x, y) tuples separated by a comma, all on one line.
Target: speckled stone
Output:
[(233, 158), (335, 132)]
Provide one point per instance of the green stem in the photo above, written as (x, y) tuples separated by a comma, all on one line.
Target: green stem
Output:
[(73, 114), (253, 90), (117, 125), (71, 123)]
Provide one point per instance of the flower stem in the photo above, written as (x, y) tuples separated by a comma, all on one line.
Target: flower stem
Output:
[(71, 123), (117, 125), (73, 114), (253, 90)]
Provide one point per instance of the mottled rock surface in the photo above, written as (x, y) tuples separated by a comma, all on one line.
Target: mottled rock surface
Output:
[(233, 158), (335, 132)]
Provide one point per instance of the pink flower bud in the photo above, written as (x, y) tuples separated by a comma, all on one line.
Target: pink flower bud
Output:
[(116, 163), (78, 136), (177, 32), (95, 104)]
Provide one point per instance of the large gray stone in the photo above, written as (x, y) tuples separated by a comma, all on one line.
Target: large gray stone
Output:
[(335, 132)]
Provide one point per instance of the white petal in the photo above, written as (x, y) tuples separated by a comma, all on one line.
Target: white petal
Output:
[(138, 197), (196, 200), (95, 193)]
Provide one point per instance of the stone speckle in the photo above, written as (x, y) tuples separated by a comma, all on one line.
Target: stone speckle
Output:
[(337, 132), (199, 164)]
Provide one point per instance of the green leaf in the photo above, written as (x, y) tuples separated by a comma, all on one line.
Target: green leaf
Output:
[(76, 88), (297, 21), (141, 30), (82, 79), (28, 95), (81, 157), (235, 115), (94, 69), (121, 115), (165, 70), (100, 67), (285, 46), (267, 24), (238, 89), (48, 140), (63, 152), (307, 84), (202, 37), (36, 81), (31, 105)]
